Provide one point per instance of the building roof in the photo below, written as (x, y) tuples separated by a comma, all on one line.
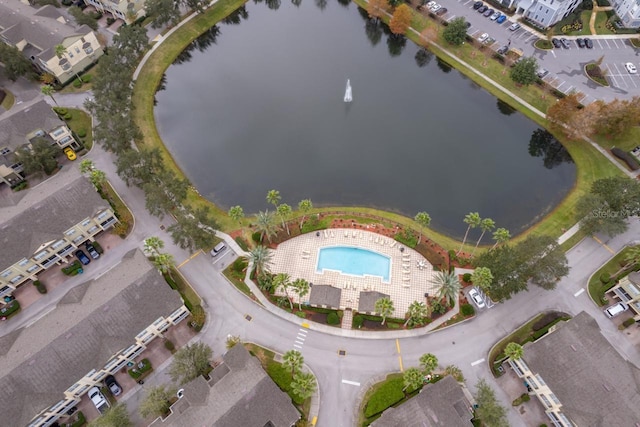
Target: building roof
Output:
[(368, 301), (595, 385), (440, 404), (42, 28), (239, 394), (35, 220), (91, 323), (634, 276), (325, 295), (15, 126)]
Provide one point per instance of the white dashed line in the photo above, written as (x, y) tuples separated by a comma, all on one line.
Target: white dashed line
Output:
[(579, 292), (351, 383), (477, 362)]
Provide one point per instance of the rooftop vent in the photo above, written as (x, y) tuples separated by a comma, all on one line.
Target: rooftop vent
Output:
[(573, 347)]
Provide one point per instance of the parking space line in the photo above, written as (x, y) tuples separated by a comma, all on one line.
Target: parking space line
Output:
[(621, 75), (579, 292), (633, 80), (568, 90), (610, 73), (477, 362), (560, 85), (351, 383)]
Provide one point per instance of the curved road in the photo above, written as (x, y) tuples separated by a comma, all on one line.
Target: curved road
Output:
[(366, 359)]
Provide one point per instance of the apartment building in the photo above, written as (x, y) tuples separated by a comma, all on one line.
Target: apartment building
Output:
[(42, 232), (579, 378), (48, 39), (20, 128), (628, 291), (546, 13), (628, 11), (127, 10)]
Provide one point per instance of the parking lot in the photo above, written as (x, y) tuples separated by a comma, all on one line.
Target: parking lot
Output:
[(565, 66)]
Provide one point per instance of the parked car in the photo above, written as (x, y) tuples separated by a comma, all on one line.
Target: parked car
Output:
[(495, 16), (442, 11), (476, 298), (556, 43), (435, 7), (219, 248), (430, 4), (542, 72), (93, 253), (565, 43), (112, 384), (82, 257), (501, 19), (504, 49), (71, 155), (616, 309), (468, 24), (483, 37), (630, 68), (514, 26), (98, 399), (488, 13), (588, 43), (482, 9), (580, 42), (477, 5)]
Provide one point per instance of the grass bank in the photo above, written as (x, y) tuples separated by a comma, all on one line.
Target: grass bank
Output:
[(606, 278), (8, 100), (591, 165)]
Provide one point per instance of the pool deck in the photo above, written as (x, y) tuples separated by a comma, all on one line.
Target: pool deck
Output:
[(410, 275)]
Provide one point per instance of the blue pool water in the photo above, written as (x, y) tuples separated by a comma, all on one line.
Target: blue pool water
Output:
[(354, 261)]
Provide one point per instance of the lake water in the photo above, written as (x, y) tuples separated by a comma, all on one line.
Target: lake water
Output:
[(258, 105)]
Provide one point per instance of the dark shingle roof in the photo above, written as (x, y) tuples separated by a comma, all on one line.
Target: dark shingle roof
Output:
[(52, 354), (14, 127), (368, 301), (325, 295), (442, 404), (243, 396), (46, 220), (595, 385)]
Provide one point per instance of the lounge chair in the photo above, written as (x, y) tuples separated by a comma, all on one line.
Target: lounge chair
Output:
[(406, 285), (346, 233), (392, 244), (332, 234), (306, 256), (377, 239)]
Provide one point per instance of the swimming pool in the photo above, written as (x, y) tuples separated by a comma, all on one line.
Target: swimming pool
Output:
[(354, 261)]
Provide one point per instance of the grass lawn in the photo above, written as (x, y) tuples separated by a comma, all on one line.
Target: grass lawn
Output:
[(92, 72), (543, 44), (185, 288), (382, 395), (8, 100), (81, 121), (600, 24), (597, 288), (626, 142), (237, 279), (584, 17), (121, 210), (573, 240)]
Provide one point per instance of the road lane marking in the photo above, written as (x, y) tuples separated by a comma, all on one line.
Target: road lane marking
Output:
[(305, 325), (297, 346), (477, 362), (303, 331), (351, 383), (579, 292), (314, 421), (603, 244), (299, 342), (190, 258), (399, 355)]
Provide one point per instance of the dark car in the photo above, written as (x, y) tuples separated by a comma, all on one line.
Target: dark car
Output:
[(114, 387), (504, 49), (477, 5), (488, 13), (482, 9), (92, 250), (84, 259), (565, 43), (556, 43), (580, 42), (588, 43), (441, 11), (468, 24)]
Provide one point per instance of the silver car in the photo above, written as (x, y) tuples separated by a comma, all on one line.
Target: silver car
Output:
[(476, 298)]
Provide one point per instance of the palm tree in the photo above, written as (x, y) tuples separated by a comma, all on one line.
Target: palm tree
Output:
[(48, 90), (428, 362), (449, 286), (98, 178), (86, 166), (487, 224), (384, 307), (284, 210), (164, 263), (261, 258), (412, 378), (424, 220), (273, 197), (455, 372), (416, 313), (282, 280), (501, 235), (303, 385), (305, 207), (265, 224), (514, 351), (152, 245), (236, 213), (301, 287), (473, 220), (293, 360), (482, 278)]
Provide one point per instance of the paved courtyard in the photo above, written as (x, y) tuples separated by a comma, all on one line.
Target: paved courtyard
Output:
[(409, 279)]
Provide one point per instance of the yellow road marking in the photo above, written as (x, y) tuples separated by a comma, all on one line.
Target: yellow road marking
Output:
[(399, 355), (305, 325), (190, 258), (603, 244), (314, 421)]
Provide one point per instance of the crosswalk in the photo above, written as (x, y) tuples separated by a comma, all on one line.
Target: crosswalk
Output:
[(299, 340)]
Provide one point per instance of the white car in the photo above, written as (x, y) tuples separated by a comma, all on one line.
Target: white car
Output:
[(483, 37), (514, 26), (435, 7), (616, 309), (430, 4), (476, 298), (631, 68), (98, 399)]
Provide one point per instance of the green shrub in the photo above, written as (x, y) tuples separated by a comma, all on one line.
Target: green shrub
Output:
[(40, 287), (168, 344), (68, 116), (466, 277), (541, 332), (87, 78), (605, 278), (282, 376), (82, 133), (407, 238), (314, 224), (19, 187), (393, 325), (547, 320), (386, 395), (525, 397), (77, 83), (358, 321), (80, 421), (438, 307), (72, 269), (242, 243), (98, 247), (628, 322), (10, 309), (333, 319), (239, 265), (467, 310), (137, 372), (60, 110), (257, 237), (301, 314), (452, 255)]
